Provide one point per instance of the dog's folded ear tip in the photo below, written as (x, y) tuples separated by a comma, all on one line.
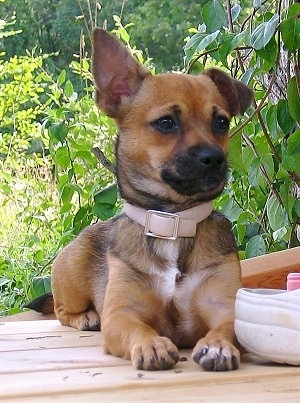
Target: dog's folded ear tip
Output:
[(238, 95)]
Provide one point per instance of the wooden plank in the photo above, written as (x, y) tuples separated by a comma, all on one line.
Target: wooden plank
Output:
[(270, 390), (270, 271), (48, 340), (125, 383), (36, 326), (65, 371), (12, 362), (27, 315)]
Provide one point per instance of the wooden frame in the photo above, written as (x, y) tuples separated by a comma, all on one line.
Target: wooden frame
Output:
[(270, 271)]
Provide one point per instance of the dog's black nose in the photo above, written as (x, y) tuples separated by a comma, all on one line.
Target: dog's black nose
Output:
[(209, 157), (201, 160)]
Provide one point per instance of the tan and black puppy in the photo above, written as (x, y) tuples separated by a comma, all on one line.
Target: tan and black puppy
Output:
[(164, 274)]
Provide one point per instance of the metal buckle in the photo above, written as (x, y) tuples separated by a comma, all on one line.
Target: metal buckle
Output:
[(175, 218)]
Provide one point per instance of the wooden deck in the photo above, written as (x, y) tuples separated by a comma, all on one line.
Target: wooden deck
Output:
[(43, 361)]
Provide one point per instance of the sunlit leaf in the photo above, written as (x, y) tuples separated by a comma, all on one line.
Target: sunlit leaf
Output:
[(264, 32), (214, 15)]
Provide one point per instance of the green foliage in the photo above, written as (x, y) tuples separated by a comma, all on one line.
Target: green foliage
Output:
[(40, 285), (260, 47), (62, 27), (51, 185)]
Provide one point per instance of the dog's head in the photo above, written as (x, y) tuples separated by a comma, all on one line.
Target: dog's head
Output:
[(173, 128)]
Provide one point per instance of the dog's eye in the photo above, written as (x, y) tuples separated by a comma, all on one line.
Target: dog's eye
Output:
[(166, 124), (220, 124)]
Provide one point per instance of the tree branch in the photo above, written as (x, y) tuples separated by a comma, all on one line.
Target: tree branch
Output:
[(103, 160)]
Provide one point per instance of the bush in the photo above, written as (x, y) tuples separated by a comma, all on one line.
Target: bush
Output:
[(260, 46), (51, 184)]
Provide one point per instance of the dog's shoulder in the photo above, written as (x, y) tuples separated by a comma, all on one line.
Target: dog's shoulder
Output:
[(215, 234)]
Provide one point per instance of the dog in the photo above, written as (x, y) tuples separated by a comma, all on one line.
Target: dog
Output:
[(162, 275)]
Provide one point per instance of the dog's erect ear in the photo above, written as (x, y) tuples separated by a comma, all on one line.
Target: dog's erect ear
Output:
[(116, 73), (237, 95)]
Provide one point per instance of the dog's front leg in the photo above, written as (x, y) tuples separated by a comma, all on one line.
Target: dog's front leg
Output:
[(215, 304), (131, 310)]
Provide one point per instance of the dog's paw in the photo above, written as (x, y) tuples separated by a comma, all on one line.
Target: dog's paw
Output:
[(158, 354), (220, 356), (89, 321)]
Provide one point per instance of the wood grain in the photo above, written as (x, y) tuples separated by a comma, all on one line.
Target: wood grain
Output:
[(270, 271), (43, 361)]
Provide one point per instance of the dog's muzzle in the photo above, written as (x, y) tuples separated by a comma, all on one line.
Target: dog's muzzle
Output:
[(200, 170)]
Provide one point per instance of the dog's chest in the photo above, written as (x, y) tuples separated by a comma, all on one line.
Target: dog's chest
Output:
[(166, 278)]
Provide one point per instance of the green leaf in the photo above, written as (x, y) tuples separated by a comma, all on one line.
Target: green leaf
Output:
[(107, 195), (104, 211), (235, 153), (191, 45), (276, 213), (289, 163), (287, 198), (228, 42), (284, 118), (269, 53), (229, 208), (293, 143), (235, 12), (61, 78), (65, 208), (214, 15), (256, 177), (199, 42), (40, 285), (268, 163), (62, 157), (297, 207), (59, 131), (81, 214), (290, 29), (207, 40), (279, 234), (86, 156), (294, 10), (264, 32), (256, 246), (271, 120), (244, 219), (248, 75), (69, 89), (67, 194), (193, 42), (294, 98)]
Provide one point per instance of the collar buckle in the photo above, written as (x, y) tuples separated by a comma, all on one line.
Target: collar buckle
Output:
[(170, 216)]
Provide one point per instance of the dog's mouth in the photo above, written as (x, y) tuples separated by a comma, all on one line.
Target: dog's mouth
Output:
[(202, 172), (208, 188)]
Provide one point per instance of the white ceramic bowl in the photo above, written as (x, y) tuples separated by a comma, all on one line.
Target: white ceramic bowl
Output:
[(267, 323)]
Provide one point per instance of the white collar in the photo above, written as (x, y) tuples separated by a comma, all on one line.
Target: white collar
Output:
[(163, 225)]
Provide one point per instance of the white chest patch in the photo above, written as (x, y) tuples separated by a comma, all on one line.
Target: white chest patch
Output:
[(166, 279)]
